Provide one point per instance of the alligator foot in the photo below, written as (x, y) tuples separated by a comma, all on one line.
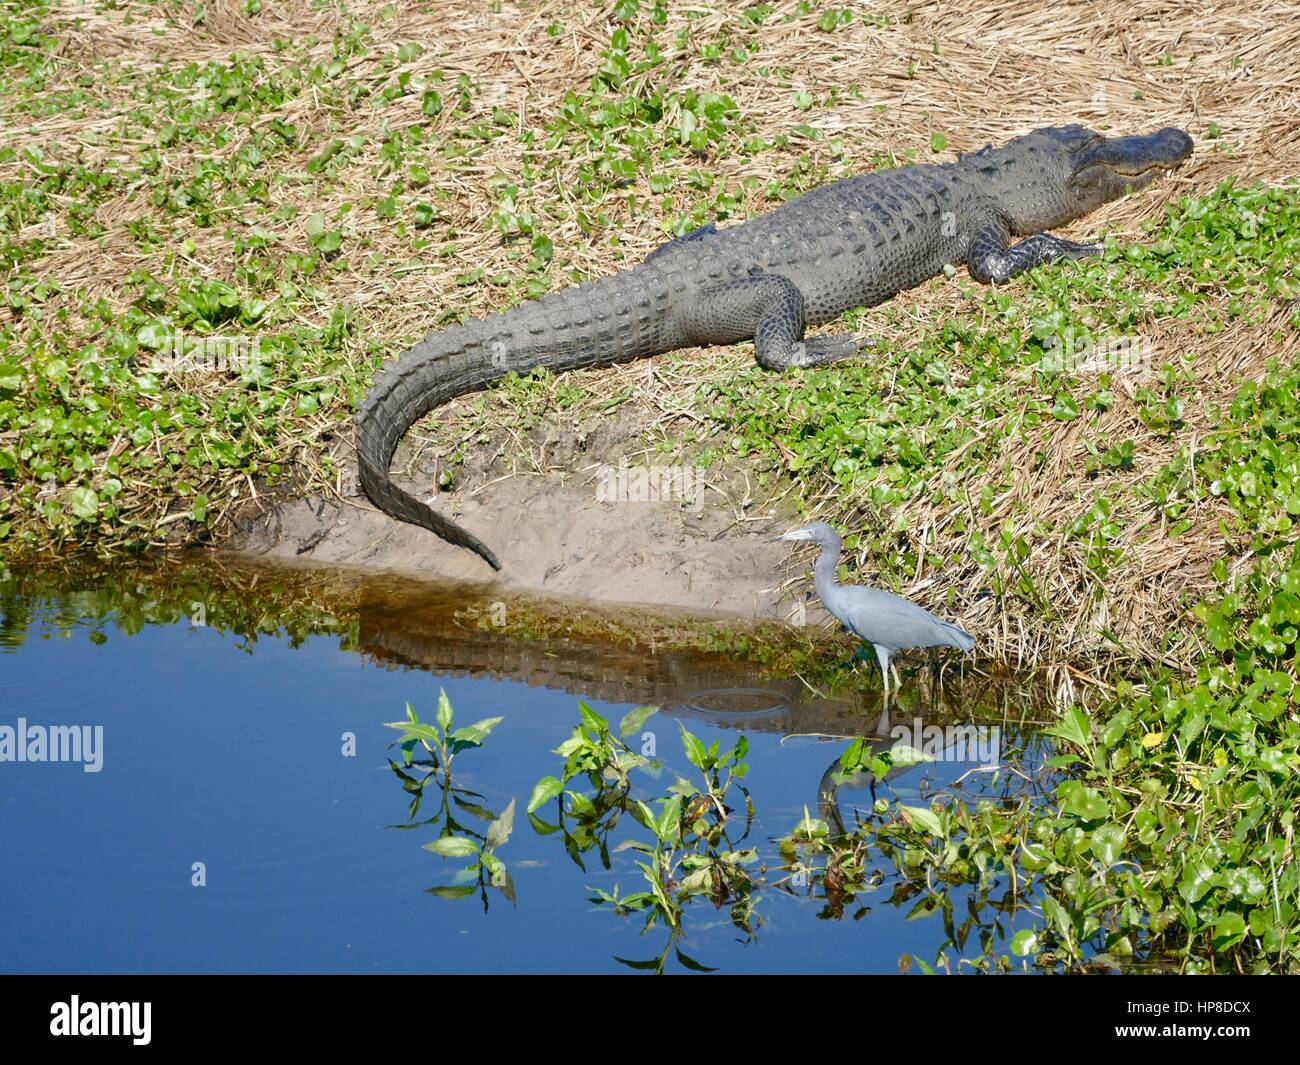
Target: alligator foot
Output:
[(993, 262), (820, 350)]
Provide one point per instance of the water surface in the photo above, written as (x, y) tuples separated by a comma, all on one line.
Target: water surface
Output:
[(243, 720)]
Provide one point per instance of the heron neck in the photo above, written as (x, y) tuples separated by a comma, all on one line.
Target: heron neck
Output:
[(824, 570)]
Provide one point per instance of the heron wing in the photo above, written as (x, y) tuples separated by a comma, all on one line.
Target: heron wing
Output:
[(883, 618)]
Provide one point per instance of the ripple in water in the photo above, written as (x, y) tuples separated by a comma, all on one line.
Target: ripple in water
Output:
[(726, 705)]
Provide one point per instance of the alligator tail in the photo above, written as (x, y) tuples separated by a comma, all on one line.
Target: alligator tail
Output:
[(403, 392), (619, 317)]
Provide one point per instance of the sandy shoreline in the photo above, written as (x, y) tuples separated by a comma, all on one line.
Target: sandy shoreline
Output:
[(554, 537)]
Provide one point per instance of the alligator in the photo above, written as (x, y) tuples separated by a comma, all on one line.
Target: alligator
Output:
[(854, 243)]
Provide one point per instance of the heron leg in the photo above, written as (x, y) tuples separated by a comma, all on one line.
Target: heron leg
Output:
[(882, 723), (882, 656)]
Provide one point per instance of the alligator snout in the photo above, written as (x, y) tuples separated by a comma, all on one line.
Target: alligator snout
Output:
[(1135, 156)]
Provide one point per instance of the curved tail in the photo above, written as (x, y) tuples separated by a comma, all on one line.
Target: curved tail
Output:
[(403, 392), (620, 317)]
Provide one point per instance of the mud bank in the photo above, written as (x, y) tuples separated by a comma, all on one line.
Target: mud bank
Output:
[(554, 528)]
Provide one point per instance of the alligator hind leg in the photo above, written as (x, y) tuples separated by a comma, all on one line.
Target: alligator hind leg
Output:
[(994, 260), (769, 308)]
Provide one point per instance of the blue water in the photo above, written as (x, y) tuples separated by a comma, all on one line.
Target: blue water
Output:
[(234, 758)]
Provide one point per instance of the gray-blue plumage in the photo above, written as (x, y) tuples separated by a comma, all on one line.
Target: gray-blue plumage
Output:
[(884, 620)]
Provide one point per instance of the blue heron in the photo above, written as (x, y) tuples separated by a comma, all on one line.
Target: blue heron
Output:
[(880, 618)]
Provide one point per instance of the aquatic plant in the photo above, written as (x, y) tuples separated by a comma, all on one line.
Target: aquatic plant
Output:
[(442, 743), (439, 739), (688, 854), (606, 762)]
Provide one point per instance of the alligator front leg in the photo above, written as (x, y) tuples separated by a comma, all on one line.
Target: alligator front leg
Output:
[(994, 260), (769, 308)]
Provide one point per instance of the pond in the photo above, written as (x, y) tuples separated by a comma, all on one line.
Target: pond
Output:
[(200, 776)]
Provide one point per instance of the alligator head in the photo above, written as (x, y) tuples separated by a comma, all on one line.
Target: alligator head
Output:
[(1057, 174)]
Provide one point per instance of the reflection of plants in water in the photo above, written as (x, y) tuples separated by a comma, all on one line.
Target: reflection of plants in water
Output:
[(958, 869), (832, 863), (442, 744), (101, 599), (486, 869), (896, 844), (707, 810)]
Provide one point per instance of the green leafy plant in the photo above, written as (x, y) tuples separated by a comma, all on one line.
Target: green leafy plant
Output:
[(457, 839), (442, 742), (486, 868), (690, 854), (606, 762)]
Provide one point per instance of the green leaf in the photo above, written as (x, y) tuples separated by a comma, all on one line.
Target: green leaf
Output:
[(666, 826), (1197, 879), (691, 963), (1107, 843), (1024, 942), (1066, 408), (477, 732), (1074, 727), (444, 714), (453, 847), (544, 791), (926, 818), (419, 730), (1229, 929), (592, 720), (1082, 801), (903, 755), (11, 376), (634, 719), (84, 502), (695, 752)]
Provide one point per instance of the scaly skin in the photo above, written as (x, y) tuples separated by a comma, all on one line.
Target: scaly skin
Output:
[(855, 243)]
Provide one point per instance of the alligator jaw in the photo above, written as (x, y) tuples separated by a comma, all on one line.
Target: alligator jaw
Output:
[(1137, 159)]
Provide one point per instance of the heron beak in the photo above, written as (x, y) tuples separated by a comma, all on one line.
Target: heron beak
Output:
[(797, 534)]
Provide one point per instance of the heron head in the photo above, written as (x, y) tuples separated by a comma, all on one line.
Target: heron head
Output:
[(819, 532)]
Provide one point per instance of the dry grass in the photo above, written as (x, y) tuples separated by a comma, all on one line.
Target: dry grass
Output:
[(981, 73), (978, 72)]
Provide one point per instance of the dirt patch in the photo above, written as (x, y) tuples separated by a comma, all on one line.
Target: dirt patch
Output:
[(566, 511)]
